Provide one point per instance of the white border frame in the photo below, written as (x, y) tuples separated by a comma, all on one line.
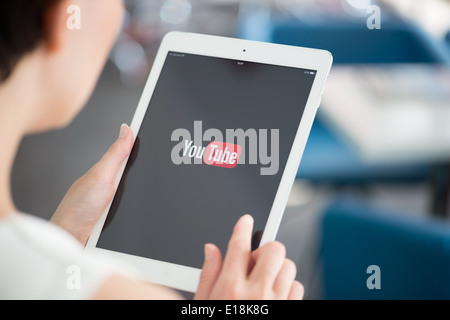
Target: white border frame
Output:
[(186, 278)]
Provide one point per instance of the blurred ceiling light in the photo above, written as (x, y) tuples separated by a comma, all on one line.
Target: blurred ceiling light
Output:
[(175, 11)]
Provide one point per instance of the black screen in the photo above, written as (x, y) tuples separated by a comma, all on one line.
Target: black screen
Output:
[(169, 204)]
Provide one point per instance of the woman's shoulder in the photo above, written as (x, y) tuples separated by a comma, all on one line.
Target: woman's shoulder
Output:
[(25, 229)]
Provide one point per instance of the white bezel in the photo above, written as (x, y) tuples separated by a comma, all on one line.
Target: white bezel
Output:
[(186, 278)]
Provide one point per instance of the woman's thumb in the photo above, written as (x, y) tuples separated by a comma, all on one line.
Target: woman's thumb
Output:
[(210, 272), (113, 159)]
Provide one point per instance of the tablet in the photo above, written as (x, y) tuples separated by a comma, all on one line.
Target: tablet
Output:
[(219, 132)]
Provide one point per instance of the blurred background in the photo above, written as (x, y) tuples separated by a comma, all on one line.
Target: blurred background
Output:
[(374, 184)]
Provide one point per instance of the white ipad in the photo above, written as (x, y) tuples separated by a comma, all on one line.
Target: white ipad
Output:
[(219, 133)]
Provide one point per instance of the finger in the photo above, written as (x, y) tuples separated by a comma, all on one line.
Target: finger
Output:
[(239, 248), (284, 280), (270, 260), (297, 291), (253, 258), (113, 159), (210, 272)]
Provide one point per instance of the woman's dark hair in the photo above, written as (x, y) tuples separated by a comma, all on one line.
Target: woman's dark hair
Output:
[(21, 30)]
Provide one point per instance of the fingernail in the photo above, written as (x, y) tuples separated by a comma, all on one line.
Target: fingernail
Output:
[(247, 219), (123, 131), (208, 251)]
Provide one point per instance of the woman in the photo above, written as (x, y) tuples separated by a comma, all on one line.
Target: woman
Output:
[(47, 73)]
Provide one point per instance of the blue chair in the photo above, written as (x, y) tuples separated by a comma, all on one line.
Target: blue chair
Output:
[(352, 42), (413, 254), (329, 158)]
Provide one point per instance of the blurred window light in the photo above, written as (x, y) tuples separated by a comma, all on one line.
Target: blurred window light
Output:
[(432, 15)]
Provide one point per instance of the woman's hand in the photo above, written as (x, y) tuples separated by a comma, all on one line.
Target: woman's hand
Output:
[(89, 196), (245, 275), (262, 274)]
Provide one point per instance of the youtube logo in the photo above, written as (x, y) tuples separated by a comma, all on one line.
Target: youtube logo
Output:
[(218, 154), (222, 154), (227, 149)]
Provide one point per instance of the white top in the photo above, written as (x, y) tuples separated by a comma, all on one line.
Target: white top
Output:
[(38, 260)]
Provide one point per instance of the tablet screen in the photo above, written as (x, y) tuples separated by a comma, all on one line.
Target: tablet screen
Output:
[(212, 147)]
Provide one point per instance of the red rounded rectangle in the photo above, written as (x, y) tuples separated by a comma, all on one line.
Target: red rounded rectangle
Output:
[(222, 154)]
